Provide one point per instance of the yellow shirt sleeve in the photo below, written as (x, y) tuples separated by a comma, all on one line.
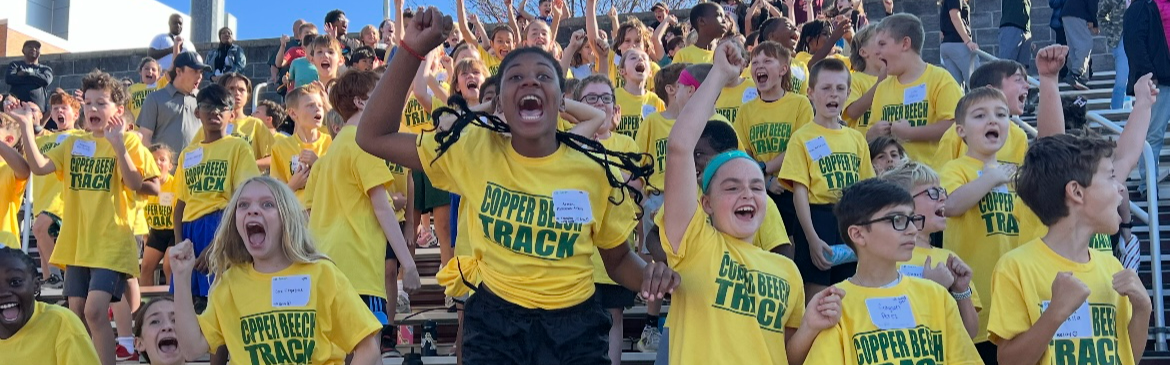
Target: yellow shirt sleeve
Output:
[(351, 319), (949, 147), (945, 97), (246, 167), (796, 165), (698, 238), (829, 347), (209, 323), (1007, 292)]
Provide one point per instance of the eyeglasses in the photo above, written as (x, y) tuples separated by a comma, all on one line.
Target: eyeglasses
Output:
[(899, 221), (213, 109), (594, 98), (934, 193)]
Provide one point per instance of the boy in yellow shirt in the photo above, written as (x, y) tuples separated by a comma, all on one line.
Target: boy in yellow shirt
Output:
[(826, 159), (64, 110), (1010, 78), (351, 216), (14, 175), (782, 30), (868, 71), (916, 104), (766, 123), (250, 129), (635, 102), (206, 176), (709, 21), (293, 157), (888, 317), (105, 167)]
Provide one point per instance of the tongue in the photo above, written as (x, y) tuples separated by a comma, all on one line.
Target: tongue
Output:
[(256, 238), (11, 314), (168, 347)]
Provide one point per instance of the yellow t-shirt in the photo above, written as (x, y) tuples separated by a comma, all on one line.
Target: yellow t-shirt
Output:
[(983, 233), (401, 179), (651, 139), (286, 156), (160, 208), (208, 174), (803, 57), (619, 143), (920, 325), (526, 254), (1031, 229), (929, 99), (12, 192), (138, 93), (619, 82), (826, 161), (251, 130), (141, 227), (765, 127), (342, 219), (415, 118), (772, 232), (731, 98), (311, 315), (491, 61), (733, 286), (47, 188), (859, 84), (937, 256), (53, 335), (635, 109), (96, 222), (693, 54), (1022, 287), (950, 147), (798, 72)]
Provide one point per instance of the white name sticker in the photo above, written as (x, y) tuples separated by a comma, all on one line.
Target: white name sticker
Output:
[(84, 148), (914, 94), (166, 199), (818, 148), (290, 291), (230, 128), (1078, 325), (572, 207), (749, 94), (192, 158), (62, 137), (891, 313), (911, 270), (647, 110)]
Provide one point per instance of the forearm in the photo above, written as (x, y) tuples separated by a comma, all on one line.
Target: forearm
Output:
[(1028, 347), (1131, 143), (15, 161), (626, 270), (367, 352), (384, 212), (957, 22), (930, 132), (149, 186), (159, 53), (858, 107), (970, 317), (798, 345), (804, 212), (190, 336), (131, 177), (37, 163), (772, 167), (1139, 327), (968, 195), (1050, 113), (590, 119)]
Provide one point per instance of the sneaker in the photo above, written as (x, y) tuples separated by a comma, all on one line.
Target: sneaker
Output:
[(403, 302), (1074, 81), (649, 340), (124, 354), (54, 282)]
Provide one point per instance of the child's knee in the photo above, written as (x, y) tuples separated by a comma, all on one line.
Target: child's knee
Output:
[(96, 314)]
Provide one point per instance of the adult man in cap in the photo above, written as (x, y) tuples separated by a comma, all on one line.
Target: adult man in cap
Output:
[(168, 115), (27, 79)]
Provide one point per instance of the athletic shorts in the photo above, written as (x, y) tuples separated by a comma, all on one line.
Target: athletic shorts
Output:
[(161, 239), (615, 296), (55, 228), (377, 307), (200, 232), (497, 332), (79, 281), (825, 224), (426, 196)]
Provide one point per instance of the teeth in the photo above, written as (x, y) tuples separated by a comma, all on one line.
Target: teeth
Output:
[(745, 210), (7, 305), (529, 98)]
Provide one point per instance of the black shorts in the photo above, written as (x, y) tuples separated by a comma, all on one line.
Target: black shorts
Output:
[(496, 332), (988, 352), (55, 228), (426, 196), (161, 239), (615, 296), (79, 281), (826, 225)]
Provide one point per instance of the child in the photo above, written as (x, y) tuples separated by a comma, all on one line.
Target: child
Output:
[(272, 114), (1053, 297), (819, 36), (984, 225), (492, 49), (781, 30), (160, 216), (154, 333), (868, 71), (958, 43), (766, 122), (47, 203), (265, 253), (711, 23), (735, 94), (293, 157), (886, 154), (877, 220), (351, 213), (34, 331), (326, 57), (503, 264), (106, 167), (151, 79), (676, 90), (207, 174), (916, 103), (240, 125), (14, 175), (545, 6), (579, 57), (827, 159), (301, 71), (939, 265), (363, 59), (635, 102), (630, 35), (1010, 78), (712, 243)]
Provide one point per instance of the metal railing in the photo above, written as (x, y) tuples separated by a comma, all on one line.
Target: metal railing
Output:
[(983, 55), (1150, 171), (256, 93)]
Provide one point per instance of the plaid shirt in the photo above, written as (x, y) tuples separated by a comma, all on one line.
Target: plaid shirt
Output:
[(1109, 16)]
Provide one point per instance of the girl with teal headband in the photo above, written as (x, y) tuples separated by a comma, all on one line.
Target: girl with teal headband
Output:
[(728, 284)]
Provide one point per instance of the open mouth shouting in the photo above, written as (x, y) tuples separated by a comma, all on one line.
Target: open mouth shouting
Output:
[(326, 66), (472, 86), (992, 135), (761, 77), (746, 212), (257, 234), (10, 312), (531, 108), (168, 344)]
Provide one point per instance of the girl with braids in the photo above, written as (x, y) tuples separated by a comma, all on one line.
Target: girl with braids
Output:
[(33, 332), (534, 294), (702, 243)]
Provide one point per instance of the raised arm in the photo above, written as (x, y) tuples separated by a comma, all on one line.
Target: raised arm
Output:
[(419, 86), (187, 331), (839, 30), (591, 29), (659, 49), (461, 11), (37, 163), (524, 13), (1131, 143), (559, 13), (399, 24), (15, 161), (378, 132)]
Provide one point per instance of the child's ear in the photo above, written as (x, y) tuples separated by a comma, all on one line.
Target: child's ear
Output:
[(1075, 192), (960, 131), (706, 203), (857, 235)]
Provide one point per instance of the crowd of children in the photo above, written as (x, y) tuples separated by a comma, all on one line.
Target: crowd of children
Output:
[(796, 201)]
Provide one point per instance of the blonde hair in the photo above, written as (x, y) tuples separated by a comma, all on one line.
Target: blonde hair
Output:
[(862, 37), (911, 174), (229, 249), (463, 65)]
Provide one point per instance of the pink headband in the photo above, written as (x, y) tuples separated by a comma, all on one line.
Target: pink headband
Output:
[(686, 79)]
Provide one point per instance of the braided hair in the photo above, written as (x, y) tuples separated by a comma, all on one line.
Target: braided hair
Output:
[(634, 163), (30, 266)]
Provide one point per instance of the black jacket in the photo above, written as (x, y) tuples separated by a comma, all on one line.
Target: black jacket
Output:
[(1145, 43), (29, 82)]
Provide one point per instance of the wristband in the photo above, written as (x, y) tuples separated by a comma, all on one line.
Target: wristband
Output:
[(961, 296), (763, 166), (1126, 225), (410, 51)]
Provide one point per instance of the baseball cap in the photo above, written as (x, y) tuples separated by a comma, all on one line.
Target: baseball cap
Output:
[(33, 43), (659, 5), (192, 60)]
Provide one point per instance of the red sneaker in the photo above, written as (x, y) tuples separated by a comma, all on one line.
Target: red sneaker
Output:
[(124, 354)]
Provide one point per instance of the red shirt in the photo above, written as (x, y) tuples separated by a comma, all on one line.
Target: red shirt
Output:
[(293, 53)]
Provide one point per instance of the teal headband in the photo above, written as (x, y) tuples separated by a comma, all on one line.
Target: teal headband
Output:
[(717, 162)]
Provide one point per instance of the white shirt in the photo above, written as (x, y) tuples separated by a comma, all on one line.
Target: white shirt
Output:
[(164, 41)]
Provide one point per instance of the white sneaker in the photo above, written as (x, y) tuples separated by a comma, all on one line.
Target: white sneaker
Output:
[(649, 340)]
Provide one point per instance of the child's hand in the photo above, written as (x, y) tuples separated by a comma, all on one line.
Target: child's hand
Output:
[(940, 273), (115, 129), (878, 129), (577, 39), (1127, 283), (308, 158), (1145, 92), (473, 18), (818, 249), (410, 280), (299, 179), (284, 40), (961, 272), (900, 128), (790, 3), (824, 309), (399, 200), (182, 259), (658, 280), (1068, 293), (22, 112), (613, 12), (508, 3), (1049, 60), (602, 42), (999, 173), (729, 59)]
